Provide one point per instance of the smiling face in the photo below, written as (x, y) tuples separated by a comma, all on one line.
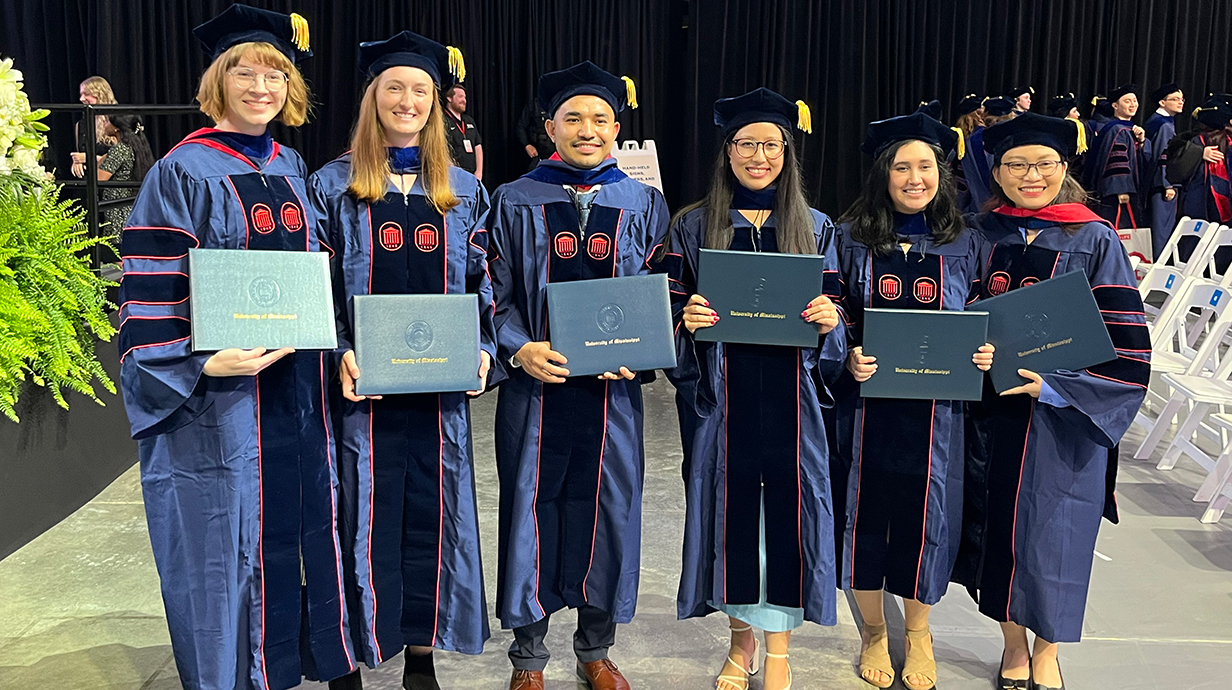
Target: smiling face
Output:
[(1033, 190), (86, 98), (914, 177), (1125, 107), (759, 170), (251, 102), (584, 129), (404, 97), (457, 100), (1174, 103)]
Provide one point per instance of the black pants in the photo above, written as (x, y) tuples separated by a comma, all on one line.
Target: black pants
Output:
[(595, 635)]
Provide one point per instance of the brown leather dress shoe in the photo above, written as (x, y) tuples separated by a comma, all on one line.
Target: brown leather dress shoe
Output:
[(602, 675), (526, 680)]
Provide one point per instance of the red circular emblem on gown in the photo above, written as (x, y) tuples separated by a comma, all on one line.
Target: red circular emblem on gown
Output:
[(292, 217), (890, 287), (998, 283), (598, 246), (262, 219), (1029, 280), (925, 290), (426, 237), (566, 245), (391, 236)]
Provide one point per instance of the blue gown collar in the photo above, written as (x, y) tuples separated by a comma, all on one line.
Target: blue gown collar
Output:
[(556, 171), (404, 159), (911, 224), (746, 199), (255, 147)]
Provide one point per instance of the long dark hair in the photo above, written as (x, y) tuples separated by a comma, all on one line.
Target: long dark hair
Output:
[(131, 135), (794, 218), (872, 215)]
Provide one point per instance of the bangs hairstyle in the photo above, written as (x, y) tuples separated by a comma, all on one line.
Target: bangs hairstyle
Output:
[(872, 215), (370, 170), (212, 93), (794, 218)]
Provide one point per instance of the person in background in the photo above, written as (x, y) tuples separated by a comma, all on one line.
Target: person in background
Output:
[(93, 91), (1207, 192), (1101, 112), (1021, 95), (1161, 199), (970, 124), (127, 161), (532, 133), (1114, 171), (465, 144), (977, 164), (1066, 106)]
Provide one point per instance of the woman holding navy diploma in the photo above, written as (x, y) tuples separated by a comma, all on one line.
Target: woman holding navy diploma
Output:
[(237, 456), (1038, 476), (904, 245), (758, 536), (403, 220)]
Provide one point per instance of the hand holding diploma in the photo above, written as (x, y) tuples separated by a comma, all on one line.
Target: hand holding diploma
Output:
[(542, 362)]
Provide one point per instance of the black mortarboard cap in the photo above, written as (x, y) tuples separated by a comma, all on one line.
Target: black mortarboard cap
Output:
[(914, 127), (969, 104), (1064, 136), (1216, 112), (998, 106), (1060, 105), (1017, 91), (1120, 91), (930, 108), (407, 49), (243, 24), (1101, 106), (585, 78), (1164, 91), (761, 105)]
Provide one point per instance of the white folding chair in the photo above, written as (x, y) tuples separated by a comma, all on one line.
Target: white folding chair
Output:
[(1216, 491), (1189, 231), (1170, 281), (1202, 261), (1187, 343)]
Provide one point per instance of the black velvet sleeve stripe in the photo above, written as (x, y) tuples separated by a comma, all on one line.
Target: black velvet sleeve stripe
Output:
[(153, 288), (137, 332), (1133, 337), (1125, 370), (156, 243), (1117, 299), (831, 285)]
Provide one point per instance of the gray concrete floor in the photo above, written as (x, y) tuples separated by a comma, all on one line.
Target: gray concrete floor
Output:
[(80, 606)]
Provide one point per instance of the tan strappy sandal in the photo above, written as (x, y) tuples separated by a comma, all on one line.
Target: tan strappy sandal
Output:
[(876, 657), (782, 656), (918, 663), (741, 682)]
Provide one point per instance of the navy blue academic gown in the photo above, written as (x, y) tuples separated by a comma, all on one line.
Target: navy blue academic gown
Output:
[(1038, 474), (237, 472), (1207, 194), (752, 416), (907, 473), (1159, 131), (569, 456), (1116, 168), (976, 169), (407, 462)]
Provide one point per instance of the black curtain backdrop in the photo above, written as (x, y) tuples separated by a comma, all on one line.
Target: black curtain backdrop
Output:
[(852, 60)]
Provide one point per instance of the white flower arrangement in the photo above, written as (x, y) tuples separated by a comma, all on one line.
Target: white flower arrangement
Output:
[(21, 132)]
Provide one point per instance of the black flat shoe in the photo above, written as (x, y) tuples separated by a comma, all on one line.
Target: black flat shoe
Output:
[(419, 672), (1004, 683), (1041, 686)]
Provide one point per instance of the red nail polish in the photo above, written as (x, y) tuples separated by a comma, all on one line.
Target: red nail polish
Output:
[(706, 303)]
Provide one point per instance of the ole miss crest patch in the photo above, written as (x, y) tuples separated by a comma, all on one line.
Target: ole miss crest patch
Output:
[(566, 245), (426, 239), (998, 283), (599, 246), (262, 219), (925, 290), (391, 236), (1029, 280), (890, 287), (292, 217)]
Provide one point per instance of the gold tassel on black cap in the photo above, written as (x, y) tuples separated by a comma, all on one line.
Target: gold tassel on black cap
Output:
[(962, 143), (457, 66), (630, 92), (299, 32), (804, 118)]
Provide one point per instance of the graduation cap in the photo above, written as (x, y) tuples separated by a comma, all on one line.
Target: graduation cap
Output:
[(1216, 111), (407, 49), (243, 24), (588, 79), (1060, 105), (969, 104), (1064, 136), (761, 105), (930, 108), (1100, 105), (1120, 91), (1017, 91), (1164, 91), (914, 127), (998, 106)]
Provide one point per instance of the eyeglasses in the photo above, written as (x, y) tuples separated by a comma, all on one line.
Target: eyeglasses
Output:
[(1044, 168), (747, 148), (246, 78)]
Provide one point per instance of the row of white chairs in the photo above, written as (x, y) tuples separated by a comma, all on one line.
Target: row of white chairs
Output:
[(1191, 359)]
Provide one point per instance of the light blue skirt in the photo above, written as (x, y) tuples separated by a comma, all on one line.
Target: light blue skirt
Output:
[(763, 615)]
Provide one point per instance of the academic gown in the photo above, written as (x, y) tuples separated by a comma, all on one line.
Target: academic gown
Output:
[(977, 172), (1038, 476), (407, 460), (760, 406), (1116, 168), (907, 476), (1159, 131), (1207, 194), (569, 456), (237, 472)]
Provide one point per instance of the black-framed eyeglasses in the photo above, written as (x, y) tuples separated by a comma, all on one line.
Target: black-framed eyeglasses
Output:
[(747, 148), (1044, 168)]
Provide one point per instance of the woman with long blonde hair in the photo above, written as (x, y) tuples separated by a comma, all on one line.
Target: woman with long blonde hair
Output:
[(403, 219), (93, 91), (236, 448)]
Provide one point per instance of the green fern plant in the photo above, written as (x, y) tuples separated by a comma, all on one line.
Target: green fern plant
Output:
[(52, 305)]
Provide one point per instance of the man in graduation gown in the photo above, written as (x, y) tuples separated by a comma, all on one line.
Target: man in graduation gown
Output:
[(568, 451), (1160, 128), (1114, 173)]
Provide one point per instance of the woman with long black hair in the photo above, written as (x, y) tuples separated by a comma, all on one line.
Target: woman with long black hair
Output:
[(127, 161), (758, 529)]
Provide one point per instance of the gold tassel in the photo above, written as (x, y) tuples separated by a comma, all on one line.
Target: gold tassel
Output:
[(1195, 112), (299, 31), (457, 66), (1095, 100), (804, 120), (962, 143), (630, 92), (1082, 134)]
